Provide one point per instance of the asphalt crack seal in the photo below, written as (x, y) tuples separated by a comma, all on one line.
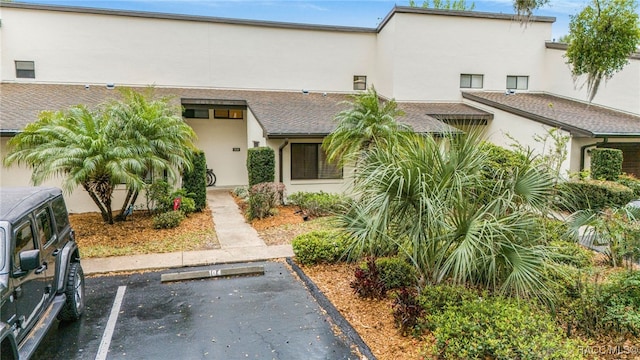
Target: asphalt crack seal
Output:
[(214, 273)]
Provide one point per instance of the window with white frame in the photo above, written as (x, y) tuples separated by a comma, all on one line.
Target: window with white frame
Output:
[(471, 81), (517, 82), (309, 162), (25, 69)]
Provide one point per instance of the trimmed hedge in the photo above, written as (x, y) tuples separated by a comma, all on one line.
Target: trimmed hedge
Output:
[(319, 203), (194, 182), (606, 164), (396, 273), (593, 194), (631, 182), (319, 247), (497, 328), (261, 165)]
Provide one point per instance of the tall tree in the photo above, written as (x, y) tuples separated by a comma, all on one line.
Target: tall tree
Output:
[(368, 123), (525, 8), (445, 5), (100, 149), (601, 39)]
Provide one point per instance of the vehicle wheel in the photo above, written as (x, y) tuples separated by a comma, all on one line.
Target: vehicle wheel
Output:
[(74, 307)]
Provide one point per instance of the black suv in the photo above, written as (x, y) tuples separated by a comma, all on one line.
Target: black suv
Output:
[(40, 273)]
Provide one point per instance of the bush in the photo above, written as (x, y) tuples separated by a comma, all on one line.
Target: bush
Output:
[(395, 272), (195, 181), (319, 204), (498, 328), (407, 312), (593, 194), (319, 247), (606, 164), (368, 283), (572, 254), (168, 220), (241, 191), (501, 159), (159, 197), (261, 165), (435, 298), (621, 300), (187, 205), (632, 183), (263, 198)]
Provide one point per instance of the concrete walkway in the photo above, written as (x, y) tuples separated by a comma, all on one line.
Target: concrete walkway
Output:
[(239, 242)]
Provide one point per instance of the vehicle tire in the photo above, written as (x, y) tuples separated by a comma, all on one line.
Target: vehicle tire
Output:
[(211, 178), (74, 306)]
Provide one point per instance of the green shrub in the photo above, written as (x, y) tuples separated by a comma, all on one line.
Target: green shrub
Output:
[(554, 230), (195, 181), (168, 220), (632, 183), (571, 253), (395, 272), (592, 194), (500, 159), (319, 203), (497, 328), (263, 199), (187, 205), (620, 297), (436, 298), (606, 164), (319, 247), (159, 197), (261, 165)]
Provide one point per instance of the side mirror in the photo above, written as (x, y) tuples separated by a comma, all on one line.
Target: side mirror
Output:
[(29, 260)]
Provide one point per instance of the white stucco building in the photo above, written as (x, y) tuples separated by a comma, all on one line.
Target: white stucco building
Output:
[(254, 83)]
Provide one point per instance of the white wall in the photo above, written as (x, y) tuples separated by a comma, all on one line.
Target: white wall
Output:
[(254, 131), (621, 92), (218, 138), (507, 129), (94, 48), (431, 51)]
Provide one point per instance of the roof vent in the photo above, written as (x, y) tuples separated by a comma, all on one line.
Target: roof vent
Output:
[(510, 92), (305, 92), (111, 86)]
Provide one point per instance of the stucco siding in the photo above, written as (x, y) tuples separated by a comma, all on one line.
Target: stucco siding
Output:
[(97, 48), (432, 51), (620, 92)]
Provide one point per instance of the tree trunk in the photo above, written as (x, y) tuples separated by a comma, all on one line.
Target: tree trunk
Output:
[(105, 212), (132, 196)]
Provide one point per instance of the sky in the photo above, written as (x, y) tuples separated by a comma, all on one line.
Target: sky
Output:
[(358, 13)]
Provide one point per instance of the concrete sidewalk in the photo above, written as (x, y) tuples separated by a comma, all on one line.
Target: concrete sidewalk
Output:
[(239, 242)]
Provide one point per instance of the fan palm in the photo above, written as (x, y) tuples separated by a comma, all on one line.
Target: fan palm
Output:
[(431, 200)]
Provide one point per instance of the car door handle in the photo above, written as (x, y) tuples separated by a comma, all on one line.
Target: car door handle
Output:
[(41, 268)]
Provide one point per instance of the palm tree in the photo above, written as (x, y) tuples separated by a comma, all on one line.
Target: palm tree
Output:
[(162, 139), (101, 149), (367, 124), (427, 199)]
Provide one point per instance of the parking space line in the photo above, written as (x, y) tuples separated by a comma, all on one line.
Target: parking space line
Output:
[(111, 325)]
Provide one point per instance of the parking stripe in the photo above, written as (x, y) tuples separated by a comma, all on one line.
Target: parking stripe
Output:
[(111, 324)]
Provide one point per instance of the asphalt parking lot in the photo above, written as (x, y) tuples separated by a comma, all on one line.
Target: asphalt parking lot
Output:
[(270, 316)]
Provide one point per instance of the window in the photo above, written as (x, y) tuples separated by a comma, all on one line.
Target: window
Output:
[(60, 214), (359, 82), (196, 113), (228, 114), (308, 161), (471, 81), (517, 82), (25, 69), (24, 242), (43, 220)]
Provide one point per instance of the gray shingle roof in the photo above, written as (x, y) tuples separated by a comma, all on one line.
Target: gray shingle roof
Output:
[(280, 113), (579, 118)]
